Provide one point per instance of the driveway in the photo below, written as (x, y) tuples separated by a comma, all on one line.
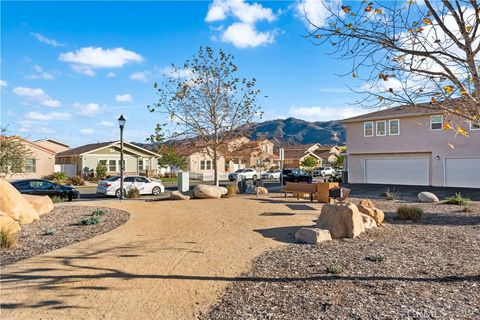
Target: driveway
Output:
[(171, 260)]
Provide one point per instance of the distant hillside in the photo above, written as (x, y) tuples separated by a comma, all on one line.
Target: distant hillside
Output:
[(293, 131)]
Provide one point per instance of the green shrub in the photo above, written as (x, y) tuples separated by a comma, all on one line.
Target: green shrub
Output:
[(333, 269), (76, 181), (133, 193), (90, 220), (390, 194), (49, 232), (101, 171), (99, 213), (467, 208), (57, 199), (457, 199), (232, 190), (58, 176), (376, 258), (413, 213), (8, 239)]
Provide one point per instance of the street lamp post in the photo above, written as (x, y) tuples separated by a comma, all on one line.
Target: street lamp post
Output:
[(121, 124)]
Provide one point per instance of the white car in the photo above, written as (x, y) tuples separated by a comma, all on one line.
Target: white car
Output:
[(111, 186), (247, 173), (327, 171), (272, 174)]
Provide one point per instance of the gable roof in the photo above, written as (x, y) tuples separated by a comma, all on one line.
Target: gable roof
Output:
[(85, 149), (33, 144), (53, 141), (400, 111)]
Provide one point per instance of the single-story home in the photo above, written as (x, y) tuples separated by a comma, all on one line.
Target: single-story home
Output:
[(82, 160), (296, 154), (409, 145), (51, 144)]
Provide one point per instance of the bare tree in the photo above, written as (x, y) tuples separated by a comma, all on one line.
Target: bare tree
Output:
[(13, 154), (404, 52), (206, 101)]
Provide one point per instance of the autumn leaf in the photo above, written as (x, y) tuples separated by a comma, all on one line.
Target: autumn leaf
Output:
[(354, 75), (447, 126), (462, 131), (410, 2), (346, 9), (468, 28), (427, 21), (378, 11), (368, 8), (433, 100), (463, 92), (318, 36), (384, 77), (448, 89), (419, 29)]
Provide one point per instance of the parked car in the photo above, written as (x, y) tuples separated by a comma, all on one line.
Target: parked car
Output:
[(326, 171), (111, 186), (272, 174), (40, 187), (296, 175), (248, 173)]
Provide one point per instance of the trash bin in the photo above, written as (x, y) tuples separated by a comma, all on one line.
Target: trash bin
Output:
[(241, 184)]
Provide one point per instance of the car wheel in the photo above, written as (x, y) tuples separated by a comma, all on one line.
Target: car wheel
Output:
[(156, 191), (254, 177), (70, 197), (117, 193)]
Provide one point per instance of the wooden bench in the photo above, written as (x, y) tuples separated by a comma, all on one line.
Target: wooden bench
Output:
[(293, 187)]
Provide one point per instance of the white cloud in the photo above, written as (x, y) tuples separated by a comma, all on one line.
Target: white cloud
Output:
[(107, 123), (123, 98), (40, 74), (88, 109), (45, 130), (325, 113), (48, 116), (111, 75), (315, 11), (87, 131), (83, 69), (3, 83), (244, 35), (46, 40), (141, 76), (180, 73), (36, 95)]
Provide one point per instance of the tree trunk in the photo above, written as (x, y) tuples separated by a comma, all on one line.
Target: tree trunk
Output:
[(215, 168)]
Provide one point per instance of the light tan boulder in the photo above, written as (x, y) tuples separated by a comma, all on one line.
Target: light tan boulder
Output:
[(342, 220), (373, 212), (203, 191), (368, 221), (367, 203), (427, 197), (7, 224), (224, 191), (177, 195), (41, 204), (15, 205), (262, 190), (312, 235)]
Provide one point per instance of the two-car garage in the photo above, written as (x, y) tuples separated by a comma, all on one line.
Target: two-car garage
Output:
[(417, 170)]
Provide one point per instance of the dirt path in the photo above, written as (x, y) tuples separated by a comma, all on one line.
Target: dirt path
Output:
[(171, 260)]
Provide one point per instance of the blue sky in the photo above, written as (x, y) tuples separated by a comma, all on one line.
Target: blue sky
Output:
[(69, 69)]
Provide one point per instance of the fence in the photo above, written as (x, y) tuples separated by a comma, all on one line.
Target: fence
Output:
[(207, 176)]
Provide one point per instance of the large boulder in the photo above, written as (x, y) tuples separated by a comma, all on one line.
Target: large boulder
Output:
[(342, 220), (203, 191), (373, 212), (427, 197), (15, 205), (312, 235), (368, 221), (367, 202), (177, 195), (41, 204), (262, 190), (7, 224), (224, 191)]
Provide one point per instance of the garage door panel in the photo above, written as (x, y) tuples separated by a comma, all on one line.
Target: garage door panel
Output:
[(462, 172), (413, 171)]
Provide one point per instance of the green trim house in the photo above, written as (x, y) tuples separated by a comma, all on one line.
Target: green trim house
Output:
[(83, 159)]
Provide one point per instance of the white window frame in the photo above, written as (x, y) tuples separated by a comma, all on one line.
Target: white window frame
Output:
[(365, 127), (398, 126), (384, 128), (208, 164), (441, 122), (31, 168), (203, 164), (140, 166), (473, 128), (109, 165)]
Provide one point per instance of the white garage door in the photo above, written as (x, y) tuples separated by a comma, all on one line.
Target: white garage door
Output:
[(462, 172), (412, 171)]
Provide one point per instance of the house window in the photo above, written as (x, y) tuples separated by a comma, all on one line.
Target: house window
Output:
[(140, 164), (209, 165), (368, 129), (474, 126), (31, 166), (381, 128), (436, 122), (394, 127), (202, 165), (112, 165)]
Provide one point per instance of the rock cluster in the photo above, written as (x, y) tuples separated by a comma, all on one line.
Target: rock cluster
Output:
[(342, 220), (17, 209), (204, 191), (177, 195)]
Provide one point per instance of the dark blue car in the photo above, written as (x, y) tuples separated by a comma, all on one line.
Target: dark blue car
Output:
[(41, 187)]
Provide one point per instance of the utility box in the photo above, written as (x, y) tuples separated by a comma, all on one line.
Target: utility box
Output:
[(183, 181)]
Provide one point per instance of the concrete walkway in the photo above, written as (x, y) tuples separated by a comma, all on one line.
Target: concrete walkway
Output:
[(171, 260)]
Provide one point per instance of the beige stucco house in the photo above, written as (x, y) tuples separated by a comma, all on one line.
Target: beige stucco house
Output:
[(294, 155), (82, 160), (408, 145), (54, 145)]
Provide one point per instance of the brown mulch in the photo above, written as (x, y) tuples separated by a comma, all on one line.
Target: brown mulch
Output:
[(431, 271), (58, 229)]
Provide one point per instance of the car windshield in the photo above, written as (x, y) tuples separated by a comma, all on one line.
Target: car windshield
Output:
[(114, 178), (239, 171), (287, 171), (321, 168)]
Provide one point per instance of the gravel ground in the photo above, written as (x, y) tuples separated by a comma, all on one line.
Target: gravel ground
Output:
[(431, 271), (63, 224)]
